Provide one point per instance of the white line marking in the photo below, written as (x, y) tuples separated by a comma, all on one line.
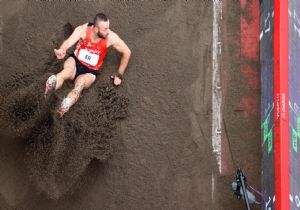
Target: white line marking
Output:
[(216, 83)]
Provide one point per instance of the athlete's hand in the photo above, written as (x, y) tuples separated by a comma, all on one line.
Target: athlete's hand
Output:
[(117, 80), (60, 53)]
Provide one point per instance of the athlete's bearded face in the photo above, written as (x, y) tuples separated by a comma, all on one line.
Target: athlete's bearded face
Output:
[(102, 28)]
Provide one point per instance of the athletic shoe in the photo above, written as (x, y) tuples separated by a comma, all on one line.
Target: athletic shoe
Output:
[(50, 85), (65, 106)]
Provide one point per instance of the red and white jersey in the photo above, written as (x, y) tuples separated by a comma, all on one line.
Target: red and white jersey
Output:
[(91, 54)]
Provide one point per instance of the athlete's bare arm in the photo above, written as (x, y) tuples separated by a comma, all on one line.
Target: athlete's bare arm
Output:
[(116, 42), (78, 33)]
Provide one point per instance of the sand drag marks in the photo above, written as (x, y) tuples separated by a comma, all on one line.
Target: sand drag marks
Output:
[(58, 151), (21, 105)]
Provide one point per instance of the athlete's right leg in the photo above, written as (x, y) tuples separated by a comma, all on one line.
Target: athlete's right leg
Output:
[(68, 73), (83, 81)]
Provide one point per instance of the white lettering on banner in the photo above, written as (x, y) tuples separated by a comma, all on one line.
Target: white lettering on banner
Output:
[(297, 201), (277, 106), (269, 28), (296, 23), (283, 114), (296, 108), (88, 57), (268, 203), (267, 25)]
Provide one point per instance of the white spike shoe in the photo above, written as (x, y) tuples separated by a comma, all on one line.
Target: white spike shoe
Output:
[(64, 107), (50, 85)]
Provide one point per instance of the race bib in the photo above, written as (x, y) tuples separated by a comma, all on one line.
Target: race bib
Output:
[(88, 57)]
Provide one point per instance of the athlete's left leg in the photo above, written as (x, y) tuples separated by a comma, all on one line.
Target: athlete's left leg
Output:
[(83, 81)]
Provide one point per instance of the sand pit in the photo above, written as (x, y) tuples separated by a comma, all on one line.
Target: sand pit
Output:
[(145, 145)]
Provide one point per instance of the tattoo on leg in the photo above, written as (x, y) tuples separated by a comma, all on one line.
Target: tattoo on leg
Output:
[(75, 93)]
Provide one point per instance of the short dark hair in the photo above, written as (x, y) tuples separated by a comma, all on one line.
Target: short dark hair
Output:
[(100, 17)]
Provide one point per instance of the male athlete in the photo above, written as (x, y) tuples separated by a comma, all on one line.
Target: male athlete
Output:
[(83, 64)]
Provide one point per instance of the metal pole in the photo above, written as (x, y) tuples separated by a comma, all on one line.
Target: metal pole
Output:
[(241, 175)]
